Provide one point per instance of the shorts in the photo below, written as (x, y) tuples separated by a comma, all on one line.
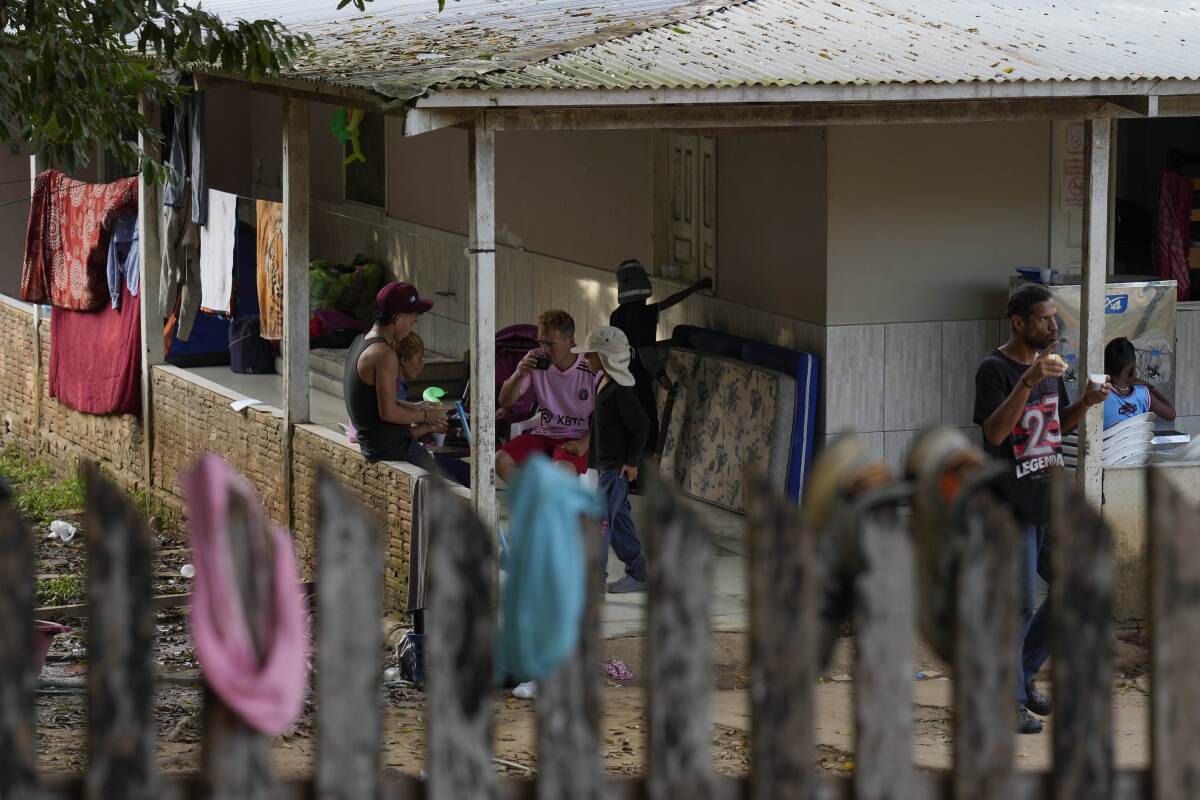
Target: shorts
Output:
[(525, 445)]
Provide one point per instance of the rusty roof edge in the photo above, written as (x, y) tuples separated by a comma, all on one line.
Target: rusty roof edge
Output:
[(605, 35)]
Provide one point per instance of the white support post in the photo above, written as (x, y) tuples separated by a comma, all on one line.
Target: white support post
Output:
[(1097, 151), (37, 165), (150, 255), (482, 251), (296, 380)]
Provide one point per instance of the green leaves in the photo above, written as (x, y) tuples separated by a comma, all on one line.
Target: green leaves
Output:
[(71, 70)]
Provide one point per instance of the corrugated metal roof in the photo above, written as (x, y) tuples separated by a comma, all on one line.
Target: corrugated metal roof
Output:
[(809, 42), (399, 48)]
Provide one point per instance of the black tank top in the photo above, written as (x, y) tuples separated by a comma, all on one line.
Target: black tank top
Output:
[(378, 439)]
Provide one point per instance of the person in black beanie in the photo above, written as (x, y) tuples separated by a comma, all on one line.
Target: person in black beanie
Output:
[(638, 320)]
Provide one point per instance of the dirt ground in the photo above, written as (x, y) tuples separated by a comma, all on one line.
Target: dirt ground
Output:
[(61, 717)]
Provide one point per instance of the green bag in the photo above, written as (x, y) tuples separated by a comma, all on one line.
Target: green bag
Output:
[(350, 289)]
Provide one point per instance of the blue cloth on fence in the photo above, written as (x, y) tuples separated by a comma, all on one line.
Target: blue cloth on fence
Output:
[(545, 590)]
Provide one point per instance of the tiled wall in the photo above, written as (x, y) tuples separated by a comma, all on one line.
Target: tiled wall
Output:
[(888, 382), (1187, 369), (526, 283)]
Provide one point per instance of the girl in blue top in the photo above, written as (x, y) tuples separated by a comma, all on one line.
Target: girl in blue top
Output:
[(1130, 396)]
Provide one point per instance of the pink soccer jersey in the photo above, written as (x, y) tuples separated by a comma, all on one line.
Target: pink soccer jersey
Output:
[(565, 398)]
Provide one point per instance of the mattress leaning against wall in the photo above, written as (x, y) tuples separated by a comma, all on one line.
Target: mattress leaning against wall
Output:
[(727, 415)]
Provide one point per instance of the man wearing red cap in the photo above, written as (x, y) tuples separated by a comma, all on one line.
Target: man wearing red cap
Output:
[(384, 425)]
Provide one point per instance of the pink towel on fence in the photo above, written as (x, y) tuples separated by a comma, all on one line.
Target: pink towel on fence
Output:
[(268, 694)]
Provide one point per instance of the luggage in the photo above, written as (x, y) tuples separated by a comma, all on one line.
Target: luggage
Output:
[(249, 353)]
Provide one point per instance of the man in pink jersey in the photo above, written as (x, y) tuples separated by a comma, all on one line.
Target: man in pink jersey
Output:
[(565, 388)]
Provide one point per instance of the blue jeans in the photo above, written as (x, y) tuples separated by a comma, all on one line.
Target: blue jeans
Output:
[(619, 530), (1035, 623)]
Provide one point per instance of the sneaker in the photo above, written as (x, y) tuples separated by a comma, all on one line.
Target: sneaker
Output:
[(1037, 701), (626, 585), (1027, 722)]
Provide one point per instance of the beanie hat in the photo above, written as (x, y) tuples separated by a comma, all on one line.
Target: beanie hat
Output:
[(632, 282)]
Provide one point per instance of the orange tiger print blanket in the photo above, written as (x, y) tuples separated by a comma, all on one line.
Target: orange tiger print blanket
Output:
[(270, 268)]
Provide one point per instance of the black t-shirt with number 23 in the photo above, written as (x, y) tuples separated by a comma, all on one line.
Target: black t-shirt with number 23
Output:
[(1035, 444)]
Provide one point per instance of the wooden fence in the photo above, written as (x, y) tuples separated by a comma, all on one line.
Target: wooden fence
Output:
[(861, 566)]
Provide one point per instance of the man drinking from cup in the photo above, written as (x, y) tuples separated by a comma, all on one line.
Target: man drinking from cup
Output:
[(565, 388)]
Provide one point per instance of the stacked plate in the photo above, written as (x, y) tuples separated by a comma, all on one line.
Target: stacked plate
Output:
[(1129, 442)]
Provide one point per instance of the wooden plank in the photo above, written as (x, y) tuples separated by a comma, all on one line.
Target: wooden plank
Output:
[(986, 633), (296, 379), (120, 732), (1173, 523), (568, 704), (482, 312), (462, 569), (18, 760), (236, 764), (1097, 146), (678, 699), (784, 645), (884, 619), (150, 257), (1081, 552), (349, 665), (771, 116)]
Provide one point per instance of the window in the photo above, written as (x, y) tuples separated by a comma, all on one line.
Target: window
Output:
[(686, 206), (366, 181)]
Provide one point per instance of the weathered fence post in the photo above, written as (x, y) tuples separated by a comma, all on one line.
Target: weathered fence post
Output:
[(1173, 523), (985, 636), (568, 703), (462, 614), (784, 639), (884, 618), (237, 758), (17, 757), (678, 652), (1081, 649), (350, 599), (120, 734)]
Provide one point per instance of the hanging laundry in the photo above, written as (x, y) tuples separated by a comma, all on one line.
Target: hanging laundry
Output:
[(96, 357), (1172, 231), (217, 240), (187, 156), (180, 281), (198, 177), (270, 268), (66, 242), (124, 258), (261, 675)]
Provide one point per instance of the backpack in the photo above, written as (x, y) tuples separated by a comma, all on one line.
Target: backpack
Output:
[(249, 353)]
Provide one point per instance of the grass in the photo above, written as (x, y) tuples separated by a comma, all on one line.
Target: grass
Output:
[(61, 590), (37, 494)]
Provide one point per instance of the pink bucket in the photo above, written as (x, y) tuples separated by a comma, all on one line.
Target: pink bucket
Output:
[(43, 634)]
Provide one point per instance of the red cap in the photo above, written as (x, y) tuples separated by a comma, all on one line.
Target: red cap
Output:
[(401, 298)]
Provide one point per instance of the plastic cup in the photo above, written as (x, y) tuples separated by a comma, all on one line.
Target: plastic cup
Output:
[(439, 440), (1098, 378)]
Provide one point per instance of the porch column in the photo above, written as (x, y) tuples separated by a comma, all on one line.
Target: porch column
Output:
[(1097, 152), (296, 379), (482, 251), (37, 165), (149, 255)]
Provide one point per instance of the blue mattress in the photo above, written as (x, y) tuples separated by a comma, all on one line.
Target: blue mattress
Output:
[(804, 367)]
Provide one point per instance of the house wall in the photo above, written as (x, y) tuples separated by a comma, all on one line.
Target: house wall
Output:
[(14, 215), (926, 224)]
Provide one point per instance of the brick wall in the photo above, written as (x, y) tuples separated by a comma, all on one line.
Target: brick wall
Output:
[(385, 489), (17, 380), (191, 416)]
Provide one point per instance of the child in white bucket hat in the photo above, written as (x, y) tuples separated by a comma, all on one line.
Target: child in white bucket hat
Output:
[(620, 429)]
